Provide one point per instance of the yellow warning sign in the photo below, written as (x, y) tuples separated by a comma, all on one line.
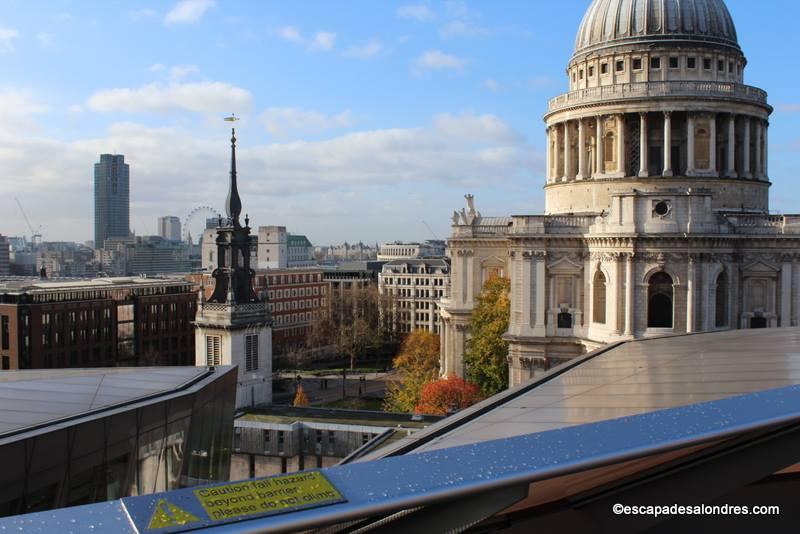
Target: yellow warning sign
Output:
[(267, 495), (167, 514)]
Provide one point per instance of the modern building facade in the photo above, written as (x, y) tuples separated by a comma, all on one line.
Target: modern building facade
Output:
[(80, 436), (656, 198), (233, 325), (111, 198), (413, 288), (299, 250), (5, 252), (98, 322), (273, 251), (169, 227)]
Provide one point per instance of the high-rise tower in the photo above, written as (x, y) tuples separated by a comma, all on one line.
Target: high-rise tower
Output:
[(111, 198), (233, 327)]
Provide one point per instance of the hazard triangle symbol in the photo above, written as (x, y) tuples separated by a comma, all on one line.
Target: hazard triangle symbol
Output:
[(167, 514)]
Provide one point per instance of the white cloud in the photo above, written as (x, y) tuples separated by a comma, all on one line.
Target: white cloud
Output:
[(454, 151), (282, 121), (365, 51), (322, 41), (438, 60), (319, 42), (491, 84), (461, 28), (200, 97), (419, 12), (179, 72), (156, 67), (290, 33), (7, 37), (44, 39), (19, 104), (188, 11), (75, 109)]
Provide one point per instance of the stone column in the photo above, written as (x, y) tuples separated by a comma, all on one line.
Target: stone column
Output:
[(549, 171), (786, 292), (712, 147), (555, 156), (581, 151), (667, 144), (643, 146), (629, 297), (796, 296), (730, 172), (690, 144), (746, 159), (765, 153), (598, 145), (621, 144), (540, 291), (567, 152), (690, 296), (758, 171)]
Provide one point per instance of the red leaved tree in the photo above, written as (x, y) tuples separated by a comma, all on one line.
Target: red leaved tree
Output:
[(441, 396)]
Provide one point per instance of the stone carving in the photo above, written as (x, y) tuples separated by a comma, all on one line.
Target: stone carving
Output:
[(468, 216)]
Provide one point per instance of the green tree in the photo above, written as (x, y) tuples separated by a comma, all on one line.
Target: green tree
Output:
[(417, 363), (486, 351)]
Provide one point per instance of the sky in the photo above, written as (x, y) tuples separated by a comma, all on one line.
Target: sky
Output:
[(360, 120)]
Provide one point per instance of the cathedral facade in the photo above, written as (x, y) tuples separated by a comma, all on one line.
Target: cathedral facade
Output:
[(656, 199)]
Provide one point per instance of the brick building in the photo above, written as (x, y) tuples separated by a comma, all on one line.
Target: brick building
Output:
[(100, 322), (297, 298)]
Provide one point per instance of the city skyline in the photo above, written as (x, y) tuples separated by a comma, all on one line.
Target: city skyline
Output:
[(348, 132)]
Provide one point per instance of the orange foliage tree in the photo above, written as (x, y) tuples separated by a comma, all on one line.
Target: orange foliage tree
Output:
[(440, 396), (300, 397)]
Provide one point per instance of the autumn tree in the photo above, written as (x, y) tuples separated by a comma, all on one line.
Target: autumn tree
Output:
[(300, 397), (441, 396), (486, 351), (417, 363)]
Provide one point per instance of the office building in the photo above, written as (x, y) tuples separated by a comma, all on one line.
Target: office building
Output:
[(412, 288), (5, 256), (111, 198), (96, 322), (399, 250), (169, 227)]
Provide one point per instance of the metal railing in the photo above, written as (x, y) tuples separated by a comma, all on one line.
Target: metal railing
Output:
[(658, 89), (500, 469)]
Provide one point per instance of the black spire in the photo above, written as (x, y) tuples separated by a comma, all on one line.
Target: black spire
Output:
[(233, 204)]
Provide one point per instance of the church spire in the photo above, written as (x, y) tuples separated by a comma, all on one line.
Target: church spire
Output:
[(233, 204)]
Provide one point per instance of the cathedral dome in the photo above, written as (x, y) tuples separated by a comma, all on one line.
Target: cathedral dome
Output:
[(609, 23)]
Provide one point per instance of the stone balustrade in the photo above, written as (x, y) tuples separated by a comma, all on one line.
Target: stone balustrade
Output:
[(609, 93)]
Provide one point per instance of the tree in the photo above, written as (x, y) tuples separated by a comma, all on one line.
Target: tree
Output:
[(486, 351), (300, 397), (417, 363), (442, 396)]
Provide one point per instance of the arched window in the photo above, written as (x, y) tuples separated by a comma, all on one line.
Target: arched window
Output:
[(599, 298), (659, 301), (722, 301), (608, 150)]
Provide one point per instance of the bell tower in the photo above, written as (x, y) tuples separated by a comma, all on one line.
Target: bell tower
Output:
[(233, 326)]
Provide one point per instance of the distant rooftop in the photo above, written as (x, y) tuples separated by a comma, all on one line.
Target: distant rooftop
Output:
[(23, 284)]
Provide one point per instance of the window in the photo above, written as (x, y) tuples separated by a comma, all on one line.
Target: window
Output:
[(637, 63), (603, 68), (237, 439), (720, 65), (266, 435), (580, 74), (721, 311), (213, 356), (251, 352), (591, 71), (691, 62), (331, 437), (4, 332), (620, 65), (573, 77), (599, 298), (655, 62), (730, 67), (6, 363), (659, 301), (706, 63), (673, 62)]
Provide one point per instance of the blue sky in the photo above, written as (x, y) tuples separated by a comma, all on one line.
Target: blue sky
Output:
[(359, 119)]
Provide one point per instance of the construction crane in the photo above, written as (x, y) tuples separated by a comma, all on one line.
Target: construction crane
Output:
[(431, 231), (36, 235)]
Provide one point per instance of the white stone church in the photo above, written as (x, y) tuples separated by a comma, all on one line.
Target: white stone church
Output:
[(656, 203)]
